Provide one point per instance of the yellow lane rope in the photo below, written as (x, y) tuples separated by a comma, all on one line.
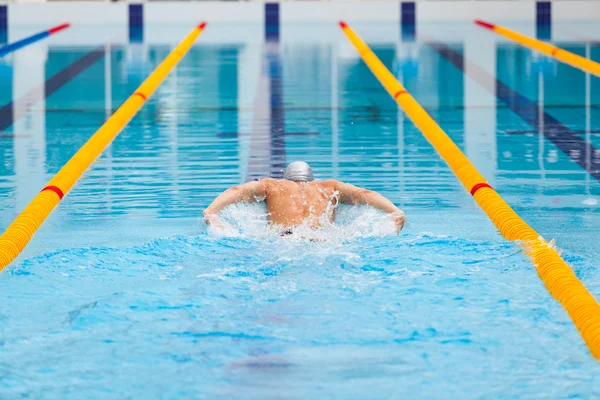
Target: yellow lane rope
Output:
[(552, 269), (19, 233), (560, 54)]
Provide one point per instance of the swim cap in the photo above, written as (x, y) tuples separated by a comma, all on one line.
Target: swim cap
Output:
[(298, 171)]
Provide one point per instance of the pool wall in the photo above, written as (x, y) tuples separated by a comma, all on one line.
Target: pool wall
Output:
[(149, 22), (165, 12)]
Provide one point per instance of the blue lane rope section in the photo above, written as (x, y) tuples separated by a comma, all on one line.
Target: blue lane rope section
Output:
[(9, 48)]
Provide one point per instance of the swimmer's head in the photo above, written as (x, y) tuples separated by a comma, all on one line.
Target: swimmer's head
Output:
[(298, 171)]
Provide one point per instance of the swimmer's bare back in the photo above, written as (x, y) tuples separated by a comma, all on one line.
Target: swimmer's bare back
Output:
[(291, 203)]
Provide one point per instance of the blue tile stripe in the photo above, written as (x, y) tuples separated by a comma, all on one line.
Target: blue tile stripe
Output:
[(136, 15), (408, 13), (136, 23), (272, 14), (408, 20), (3, 17), (272, 21), (544, 20), (3, 24), (544, 13)]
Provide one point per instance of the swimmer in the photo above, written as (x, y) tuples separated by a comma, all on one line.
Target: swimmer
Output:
[(299, 199)]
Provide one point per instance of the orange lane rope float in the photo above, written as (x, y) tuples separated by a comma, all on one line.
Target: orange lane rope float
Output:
[(19, 233), (559, 278), (562, 55)]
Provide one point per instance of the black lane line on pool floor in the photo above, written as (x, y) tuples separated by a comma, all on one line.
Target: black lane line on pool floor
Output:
[(567, 140), (51, 85), (264, 135), (267, 153)]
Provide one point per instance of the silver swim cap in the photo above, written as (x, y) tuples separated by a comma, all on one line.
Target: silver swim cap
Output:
[(298, 171)]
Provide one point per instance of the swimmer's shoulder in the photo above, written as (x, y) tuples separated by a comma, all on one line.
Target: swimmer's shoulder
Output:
[(268, 182), (272, 184), (331, 184)]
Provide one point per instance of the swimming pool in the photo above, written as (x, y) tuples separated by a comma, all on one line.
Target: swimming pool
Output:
[(123, 292)]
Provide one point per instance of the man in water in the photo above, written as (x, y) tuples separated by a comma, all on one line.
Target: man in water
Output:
[(299, 199)]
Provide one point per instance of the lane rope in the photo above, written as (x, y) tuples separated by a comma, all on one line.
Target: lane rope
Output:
[(560, 54), (9, 48), (558, 277), (18, 234)]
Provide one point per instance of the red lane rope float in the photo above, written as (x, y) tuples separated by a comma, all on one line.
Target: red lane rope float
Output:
[(55, 190), (58, 28), (399, 92), (480, 186), (558, 277), (485, 24), (142, 95)]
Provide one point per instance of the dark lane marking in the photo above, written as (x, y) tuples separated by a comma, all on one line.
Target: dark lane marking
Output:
[(52, 84), (567, 140), (10, 136), (272, 135), (525, 132), (278, 153), (241, 134)]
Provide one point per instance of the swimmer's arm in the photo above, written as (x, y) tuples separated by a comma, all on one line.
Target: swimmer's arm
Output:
[(350, 194), (248, 192)]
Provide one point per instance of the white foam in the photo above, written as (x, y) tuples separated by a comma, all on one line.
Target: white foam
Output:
[(351, 222)]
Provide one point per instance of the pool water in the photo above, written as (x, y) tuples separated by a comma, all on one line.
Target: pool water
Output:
[(125, 293)]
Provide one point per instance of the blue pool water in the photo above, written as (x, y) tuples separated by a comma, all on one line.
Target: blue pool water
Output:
[(123, 293)]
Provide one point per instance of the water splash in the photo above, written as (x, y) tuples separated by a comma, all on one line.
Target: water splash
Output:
[(249, 220)]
